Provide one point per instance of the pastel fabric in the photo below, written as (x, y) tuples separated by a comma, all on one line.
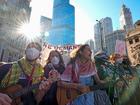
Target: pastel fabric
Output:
[(85, 99), (97, 97)]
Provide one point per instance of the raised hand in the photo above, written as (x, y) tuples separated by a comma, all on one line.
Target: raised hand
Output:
[(53, 74), (45, 84)]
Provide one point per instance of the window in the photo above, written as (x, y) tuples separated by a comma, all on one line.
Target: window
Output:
[(0, 25), (137, 39), (131, 41)]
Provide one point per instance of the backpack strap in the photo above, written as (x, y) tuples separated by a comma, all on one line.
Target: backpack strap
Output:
[(22, 69)]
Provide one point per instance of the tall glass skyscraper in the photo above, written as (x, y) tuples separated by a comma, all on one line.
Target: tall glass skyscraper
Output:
[(63, 23)]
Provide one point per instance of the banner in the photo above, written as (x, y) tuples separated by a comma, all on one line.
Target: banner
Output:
[(64, 51), (120, 47)]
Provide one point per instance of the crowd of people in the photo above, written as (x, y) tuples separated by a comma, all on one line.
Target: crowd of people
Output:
[(81, 70)]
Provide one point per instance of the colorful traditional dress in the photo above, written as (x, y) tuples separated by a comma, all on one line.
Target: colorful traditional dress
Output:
[(83, 74), (16, 75)]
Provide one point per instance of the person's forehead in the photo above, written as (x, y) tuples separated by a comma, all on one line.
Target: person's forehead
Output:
[(34, 45), (87, 48)]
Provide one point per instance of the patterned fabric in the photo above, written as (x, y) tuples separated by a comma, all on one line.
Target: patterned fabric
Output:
[(81, 70), (97, 97), (11, 77), (85, 99), (101, 98), (15, 72)]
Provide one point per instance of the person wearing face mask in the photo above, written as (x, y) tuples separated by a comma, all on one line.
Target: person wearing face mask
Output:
[(54, 64), (25, 72)]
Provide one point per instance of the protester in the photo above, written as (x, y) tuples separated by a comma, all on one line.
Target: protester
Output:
[(25, 72), (127, 66), (101, 59), (54, 63), (82, 70)]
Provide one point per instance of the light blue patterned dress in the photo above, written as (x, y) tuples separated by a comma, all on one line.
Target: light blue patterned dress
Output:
[(85, 99), (97, 97)]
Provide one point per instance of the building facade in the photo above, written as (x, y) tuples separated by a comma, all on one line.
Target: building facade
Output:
[(101, 29), (12, 43), (9, 51), (90, 42), (133, 44), (45, 24), (111, 38), (126, 21), (63, 23), (19, 5)]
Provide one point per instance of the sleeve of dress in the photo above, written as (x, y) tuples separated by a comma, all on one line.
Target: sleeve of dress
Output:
[(67, 74), (95, 68)]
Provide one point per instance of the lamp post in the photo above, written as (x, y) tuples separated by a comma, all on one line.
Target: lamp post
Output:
[(101, 30)]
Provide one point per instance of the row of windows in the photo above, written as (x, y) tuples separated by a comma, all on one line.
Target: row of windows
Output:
[(136, 39)]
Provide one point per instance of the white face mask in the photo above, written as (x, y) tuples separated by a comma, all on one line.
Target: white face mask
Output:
[(119, 60), (55, 60), (32, 53)]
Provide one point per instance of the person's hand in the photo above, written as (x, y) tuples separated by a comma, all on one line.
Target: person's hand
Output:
[(45, 84), (5, 99), (53, 74), (43, 88)]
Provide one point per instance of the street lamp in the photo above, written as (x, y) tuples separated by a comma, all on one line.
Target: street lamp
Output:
[(101, 29)]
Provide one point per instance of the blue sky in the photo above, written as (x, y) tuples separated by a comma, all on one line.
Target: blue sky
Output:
[(87, 12), (98, 9)]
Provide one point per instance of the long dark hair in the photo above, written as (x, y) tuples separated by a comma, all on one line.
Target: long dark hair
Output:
[(78, 54), (60, 56)]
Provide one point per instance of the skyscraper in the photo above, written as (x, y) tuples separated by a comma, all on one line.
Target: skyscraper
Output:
[(45, 26), (12, 43), (101, 29), (63, 23), (111, 38), (126, 21), (90, 42), (20, 5)]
